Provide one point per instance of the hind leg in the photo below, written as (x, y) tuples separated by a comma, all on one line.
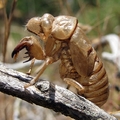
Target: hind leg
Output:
[(72, 82)]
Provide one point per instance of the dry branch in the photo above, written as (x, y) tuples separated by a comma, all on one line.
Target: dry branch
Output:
[(7, 21), (50, 96)]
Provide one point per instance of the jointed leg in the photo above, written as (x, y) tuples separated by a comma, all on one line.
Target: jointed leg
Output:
[(75, 84), (43, 67), (31, 66)]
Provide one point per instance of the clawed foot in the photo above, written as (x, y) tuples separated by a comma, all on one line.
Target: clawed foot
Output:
[(32, 82), (78, 86), (27, 85)]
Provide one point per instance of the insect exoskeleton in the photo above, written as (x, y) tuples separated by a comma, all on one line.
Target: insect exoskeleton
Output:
[(64, 39)]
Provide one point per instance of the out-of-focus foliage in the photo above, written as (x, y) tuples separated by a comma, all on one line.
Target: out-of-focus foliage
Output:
[(29, 8), (90, 12), (104, 11)]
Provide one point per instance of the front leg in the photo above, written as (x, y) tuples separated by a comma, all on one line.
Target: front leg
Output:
[(31, 66), (34, 51), (48, 60)]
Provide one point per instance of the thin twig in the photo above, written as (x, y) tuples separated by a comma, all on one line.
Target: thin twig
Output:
[(7, 27)]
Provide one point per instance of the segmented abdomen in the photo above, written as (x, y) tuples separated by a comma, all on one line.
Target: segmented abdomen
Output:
[(67, 69), (97, 89), (95, 85)]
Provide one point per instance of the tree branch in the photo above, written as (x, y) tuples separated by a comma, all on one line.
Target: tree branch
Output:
[(50, 96)]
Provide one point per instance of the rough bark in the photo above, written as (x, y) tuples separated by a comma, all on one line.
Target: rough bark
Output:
[(51, 96)]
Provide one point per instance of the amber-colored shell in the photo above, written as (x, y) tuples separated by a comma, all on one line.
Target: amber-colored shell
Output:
[(63, 27), (64, 40)]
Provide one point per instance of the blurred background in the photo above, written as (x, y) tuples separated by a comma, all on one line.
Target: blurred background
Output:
[(100, 20)]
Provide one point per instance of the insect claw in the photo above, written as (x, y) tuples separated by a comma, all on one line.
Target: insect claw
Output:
[(15, 55), (26, 56), (27, 60), (27, 52), (34, 50), (24, 43)]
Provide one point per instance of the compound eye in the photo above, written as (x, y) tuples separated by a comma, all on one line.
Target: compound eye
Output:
[(33, 25), (46, 24)]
